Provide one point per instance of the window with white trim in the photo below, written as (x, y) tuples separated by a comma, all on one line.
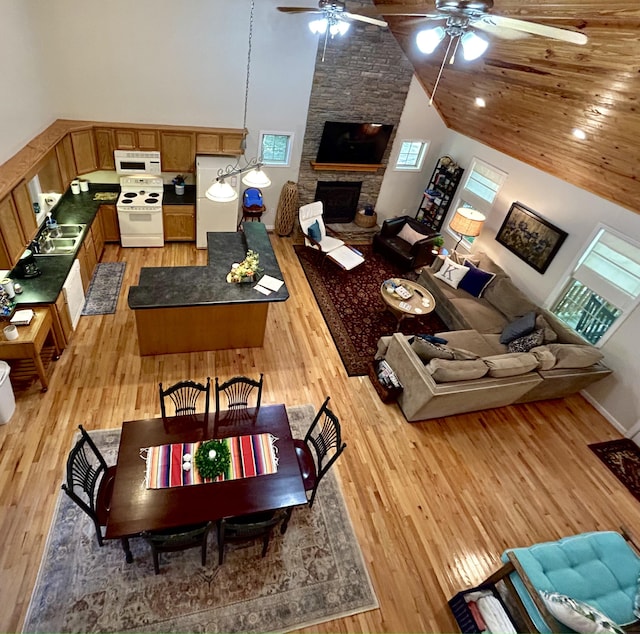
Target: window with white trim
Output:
[(479, 190), (411, 155), (603, 288), (275, 148)]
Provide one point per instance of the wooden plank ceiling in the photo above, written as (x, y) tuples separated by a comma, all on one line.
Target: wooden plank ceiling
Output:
[(537, 90)]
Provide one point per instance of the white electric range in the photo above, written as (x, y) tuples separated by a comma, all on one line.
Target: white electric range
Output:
[(139, 209)]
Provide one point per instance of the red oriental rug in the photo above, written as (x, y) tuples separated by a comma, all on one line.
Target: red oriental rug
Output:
[(351, 305), (622, 458)]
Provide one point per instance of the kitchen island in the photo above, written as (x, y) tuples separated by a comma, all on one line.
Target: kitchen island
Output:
[(194, 308)]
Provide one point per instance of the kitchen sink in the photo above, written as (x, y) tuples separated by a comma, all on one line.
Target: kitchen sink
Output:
[(66, 241)]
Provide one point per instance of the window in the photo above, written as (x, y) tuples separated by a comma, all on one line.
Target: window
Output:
[(604, 287), (411, 155), (276, 148), (479, 191)]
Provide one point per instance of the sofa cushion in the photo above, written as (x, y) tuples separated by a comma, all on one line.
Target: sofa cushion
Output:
[(445, 370), (476, 280), (546, 358), (519, 328), (574, 355), (470, 340), (427, 350), (478, 314), (549, 333), (409, 234), (506, 297), (578, 615), (510, 364), (451, 273), (524, 344)]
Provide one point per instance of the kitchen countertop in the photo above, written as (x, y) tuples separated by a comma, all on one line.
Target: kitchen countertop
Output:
[(179, 286)]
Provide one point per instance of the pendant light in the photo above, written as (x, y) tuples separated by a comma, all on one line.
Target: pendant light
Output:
[(220, 190)]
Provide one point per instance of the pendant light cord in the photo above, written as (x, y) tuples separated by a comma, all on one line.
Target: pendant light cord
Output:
[(246, 87)]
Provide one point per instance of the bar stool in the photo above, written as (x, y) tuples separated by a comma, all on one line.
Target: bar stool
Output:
[(252, 204)]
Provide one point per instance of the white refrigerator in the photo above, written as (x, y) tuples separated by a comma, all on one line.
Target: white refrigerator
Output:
[(212, 216)]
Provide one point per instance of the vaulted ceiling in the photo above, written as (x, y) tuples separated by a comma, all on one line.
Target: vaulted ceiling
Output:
[(537, 90)]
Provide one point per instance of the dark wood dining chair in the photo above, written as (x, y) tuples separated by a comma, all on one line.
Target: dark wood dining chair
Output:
[(90, 481), (238, 391), (184, 395), (180, 538), (248, 527), (320, 448)]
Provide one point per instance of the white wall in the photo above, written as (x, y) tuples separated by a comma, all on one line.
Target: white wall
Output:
[(25, 109), (401, 191)]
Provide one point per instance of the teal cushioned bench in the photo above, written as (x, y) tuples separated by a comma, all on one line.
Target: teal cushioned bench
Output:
[(599, 568)]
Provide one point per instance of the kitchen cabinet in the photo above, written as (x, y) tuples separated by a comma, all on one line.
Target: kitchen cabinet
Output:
[(438, 195), (62, 326), (88, 261), (148, 140), (13, 239), (24, 209), (179, 223), (84, 151), (177, 151), (97, 233), (229, 143), (48, 172), (110, 227), (66, 162), (105, 145)]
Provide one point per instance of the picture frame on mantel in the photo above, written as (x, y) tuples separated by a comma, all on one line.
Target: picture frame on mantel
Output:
[(529, 236)]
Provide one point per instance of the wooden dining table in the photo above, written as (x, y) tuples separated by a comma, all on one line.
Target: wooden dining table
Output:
[(135, 508)]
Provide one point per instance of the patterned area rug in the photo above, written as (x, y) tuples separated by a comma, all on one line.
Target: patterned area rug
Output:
[(351, 305), (313, 573), (104, 289), (622, 458)]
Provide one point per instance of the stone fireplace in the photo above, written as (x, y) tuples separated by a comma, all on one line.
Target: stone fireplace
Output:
[(339, 199)]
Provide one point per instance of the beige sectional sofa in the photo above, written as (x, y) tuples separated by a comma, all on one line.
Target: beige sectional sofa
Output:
[(483, 372)]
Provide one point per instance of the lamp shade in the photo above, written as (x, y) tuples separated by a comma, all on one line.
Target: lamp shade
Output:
[(473, 46), (221, 192), (428, 39), (256, 178), (467, 222)]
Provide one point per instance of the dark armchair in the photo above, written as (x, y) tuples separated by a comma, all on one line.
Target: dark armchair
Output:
[(407, 255)]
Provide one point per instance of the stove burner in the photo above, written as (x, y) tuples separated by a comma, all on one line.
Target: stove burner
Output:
[(154, 195), (126, 201), (150, 201), (130, 195)]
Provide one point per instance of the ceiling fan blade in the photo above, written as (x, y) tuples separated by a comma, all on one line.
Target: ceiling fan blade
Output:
[(387, 10), (537, 29), (299, 10), (364, 18), (496, 31)]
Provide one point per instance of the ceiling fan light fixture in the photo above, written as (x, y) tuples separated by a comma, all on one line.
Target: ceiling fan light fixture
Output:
[(318, 27), (427, 40), (579, 134), (473, 46), (340, 27)]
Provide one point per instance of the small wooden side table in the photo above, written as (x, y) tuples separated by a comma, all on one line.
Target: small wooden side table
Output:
[(30, 341), (421, 301)]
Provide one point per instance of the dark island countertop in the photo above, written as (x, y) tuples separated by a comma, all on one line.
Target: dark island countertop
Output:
[(180, 286)]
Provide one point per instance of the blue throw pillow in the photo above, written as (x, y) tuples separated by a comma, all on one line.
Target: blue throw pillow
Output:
[(476, 280), (433, 339), (519, 328), (314, 232)]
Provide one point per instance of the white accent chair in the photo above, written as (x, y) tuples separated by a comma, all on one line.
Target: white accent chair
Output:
[(333, 248)]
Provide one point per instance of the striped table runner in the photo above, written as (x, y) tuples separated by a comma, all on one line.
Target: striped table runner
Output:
[(253, 455)]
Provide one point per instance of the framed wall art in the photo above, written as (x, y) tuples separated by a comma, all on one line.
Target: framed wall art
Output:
[(530, 237)]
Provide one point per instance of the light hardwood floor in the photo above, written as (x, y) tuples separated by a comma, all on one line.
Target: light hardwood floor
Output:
[(433, 504)]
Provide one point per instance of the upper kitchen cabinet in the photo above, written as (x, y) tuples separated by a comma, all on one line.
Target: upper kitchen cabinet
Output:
[(66, 162), (177, 151), (24, 209), (48, 172), (105, 144), (146, 140), (13, 239), (84, 151), (221, 143)]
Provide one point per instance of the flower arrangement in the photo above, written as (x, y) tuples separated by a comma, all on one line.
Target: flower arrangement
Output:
[(246, 270), (178, 180), (212, 458)]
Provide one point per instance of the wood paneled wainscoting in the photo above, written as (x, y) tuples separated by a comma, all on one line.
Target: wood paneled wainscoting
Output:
[(433, 504)]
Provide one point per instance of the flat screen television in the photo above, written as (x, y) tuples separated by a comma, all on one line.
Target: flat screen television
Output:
[(362, 143)]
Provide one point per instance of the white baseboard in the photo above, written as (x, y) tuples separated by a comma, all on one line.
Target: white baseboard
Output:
[(611, 419)]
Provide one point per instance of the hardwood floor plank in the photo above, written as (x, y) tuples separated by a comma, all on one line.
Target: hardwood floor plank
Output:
[(433, 504)]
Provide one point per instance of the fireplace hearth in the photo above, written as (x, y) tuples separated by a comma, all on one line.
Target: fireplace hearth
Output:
[(339, 199)]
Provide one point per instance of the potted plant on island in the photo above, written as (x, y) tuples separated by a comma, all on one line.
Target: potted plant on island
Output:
[(178, 181)]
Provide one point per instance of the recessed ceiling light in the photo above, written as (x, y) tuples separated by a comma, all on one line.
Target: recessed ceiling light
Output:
[(579, 134), (480, 102)]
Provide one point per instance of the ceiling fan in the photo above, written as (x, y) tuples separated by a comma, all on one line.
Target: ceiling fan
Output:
[(460, 19), (333, 19)]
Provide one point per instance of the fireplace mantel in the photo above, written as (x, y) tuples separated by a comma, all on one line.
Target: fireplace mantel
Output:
[(345, 167)]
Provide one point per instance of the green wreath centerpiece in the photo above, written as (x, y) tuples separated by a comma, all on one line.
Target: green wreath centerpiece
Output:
[(213, 458)]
